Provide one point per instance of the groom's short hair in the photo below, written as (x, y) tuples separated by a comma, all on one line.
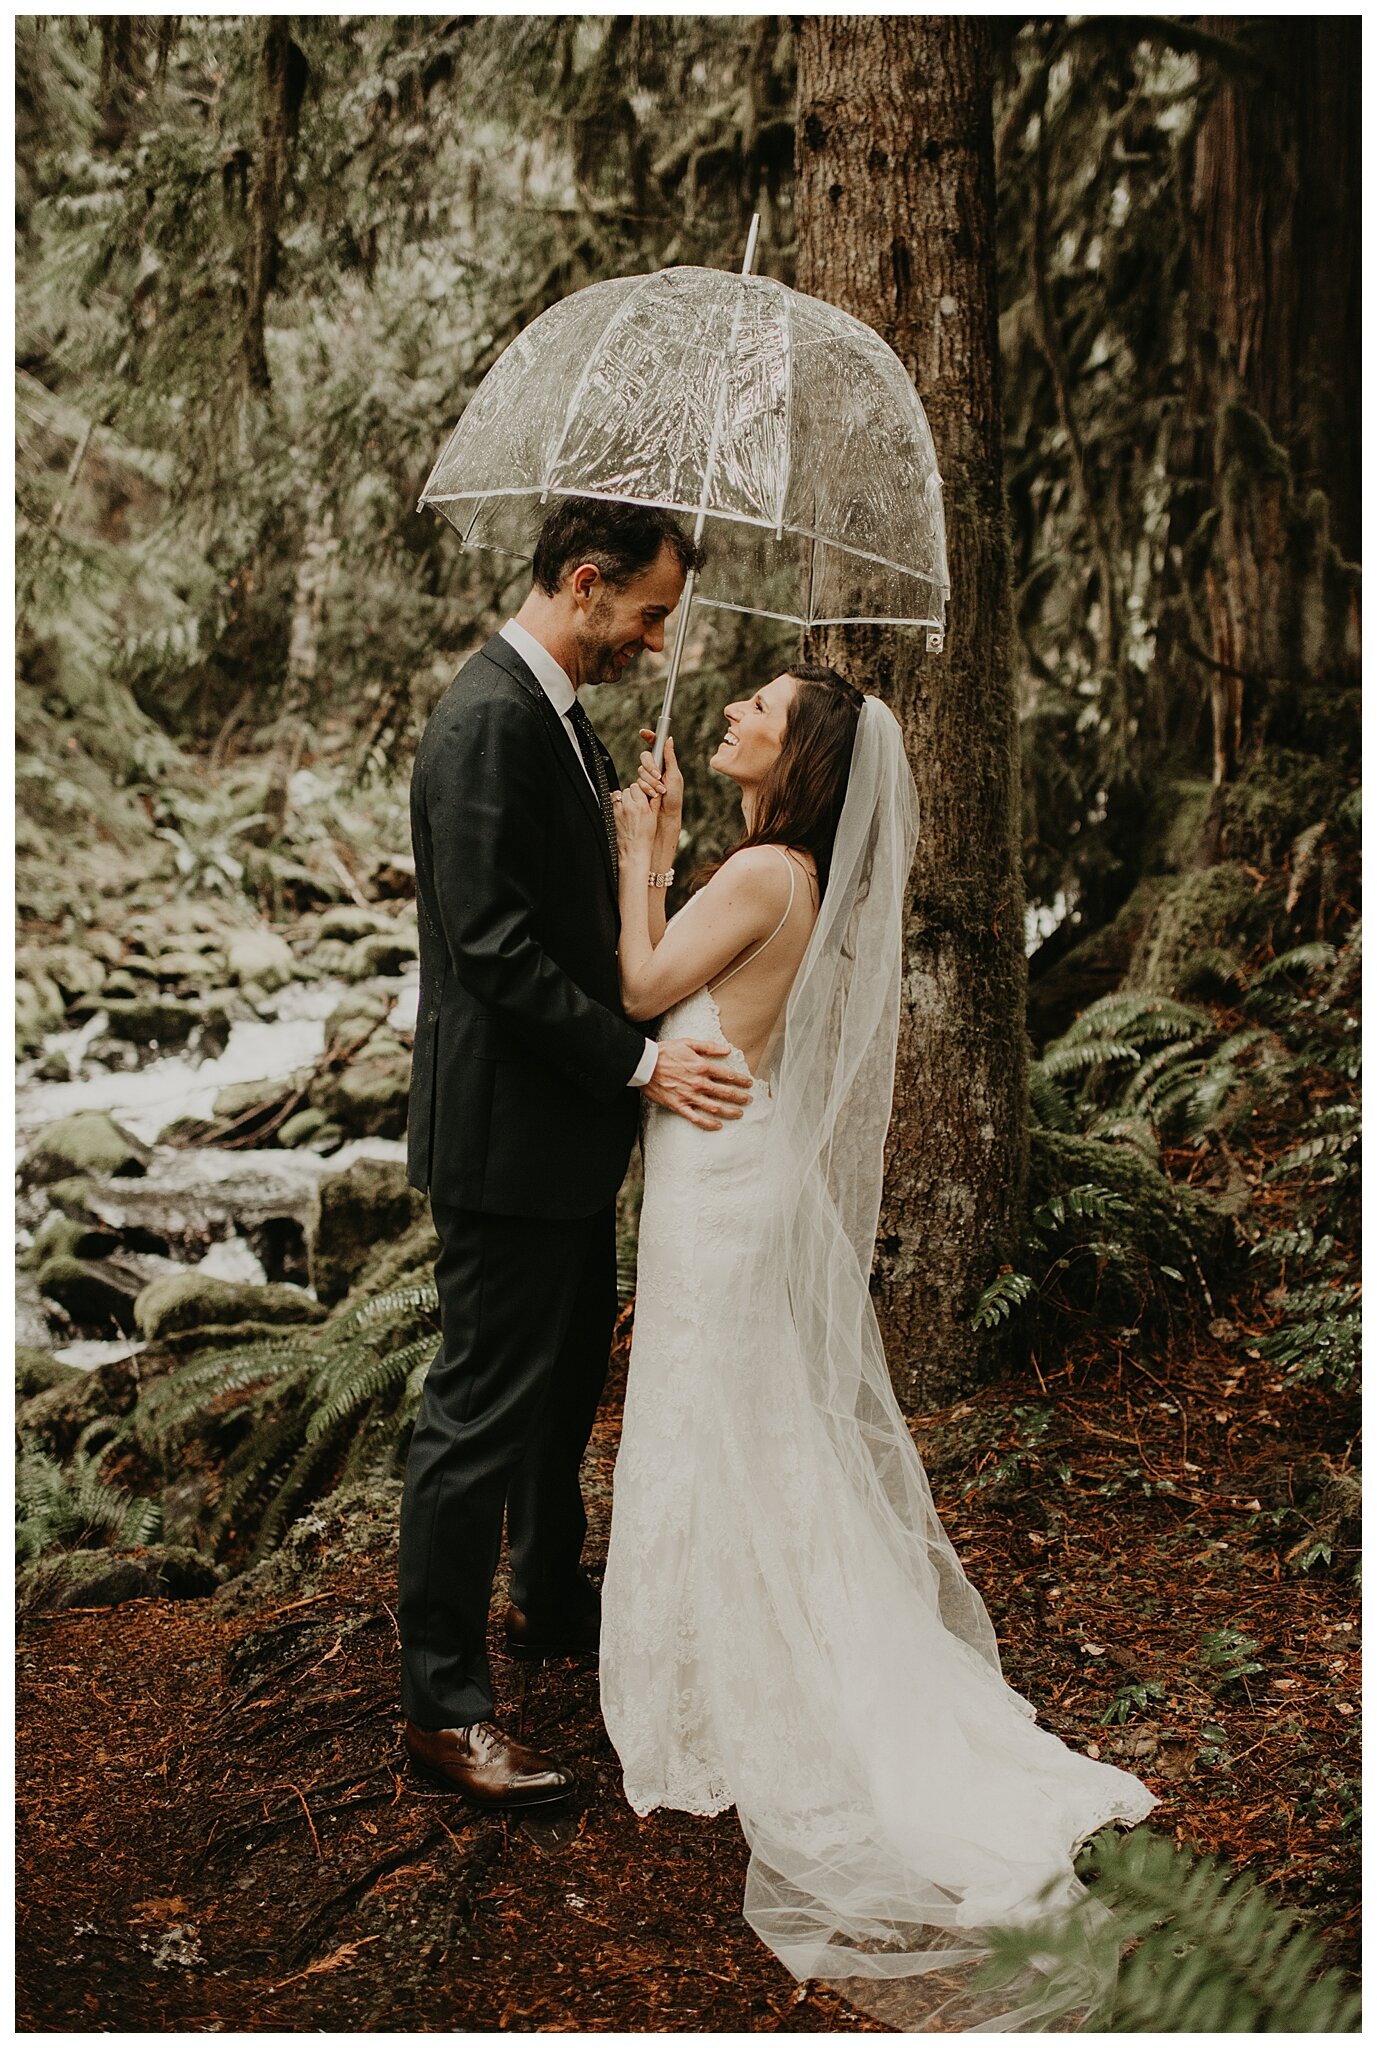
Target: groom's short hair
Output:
[(621, 541)]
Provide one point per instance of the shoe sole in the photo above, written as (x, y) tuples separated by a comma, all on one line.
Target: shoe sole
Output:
[(481, 1805), (532, 1653)]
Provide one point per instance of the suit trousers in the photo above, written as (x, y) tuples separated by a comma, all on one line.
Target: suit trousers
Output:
[(527, 1307)]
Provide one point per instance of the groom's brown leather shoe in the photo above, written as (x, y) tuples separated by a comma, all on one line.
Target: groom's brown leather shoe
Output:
[(489, 1768), (573, 1638)]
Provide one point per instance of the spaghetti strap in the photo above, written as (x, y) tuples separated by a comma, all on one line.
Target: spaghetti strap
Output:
[(712, 988)]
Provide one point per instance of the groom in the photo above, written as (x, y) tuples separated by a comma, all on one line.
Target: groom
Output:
[(525, 1089)]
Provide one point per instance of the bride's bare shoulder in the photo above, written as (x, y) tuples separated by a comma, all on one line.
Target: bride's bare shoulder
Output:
[(756, 871)]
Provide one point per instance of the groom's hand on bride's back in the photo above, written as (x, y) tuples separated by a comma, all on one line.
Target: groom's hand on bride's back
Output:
[(690, 1079)]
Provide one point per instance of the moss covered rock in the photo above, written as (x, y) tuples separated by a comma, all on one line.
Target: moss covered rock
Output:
[(354, 1021), (388, 953), (53, 1419), (38, 1009), (191, 1301), (35, 1372), (95, 1293), (88, 1143), (1222, 909), (299, 1129), (369, 1098), (260, 958), (105, 1578), (364, 1209)]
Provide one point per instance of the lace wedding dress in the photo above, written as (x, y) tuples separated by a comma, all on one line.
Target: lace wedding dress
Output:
[(785, 1625)]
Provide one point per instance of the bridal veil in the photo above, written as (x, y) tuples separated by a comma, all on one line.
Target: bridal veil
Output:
[(954, 1813)]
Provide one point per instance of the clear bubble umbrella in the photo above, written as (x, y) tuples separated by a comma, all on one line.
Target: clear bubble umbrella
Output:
[(788, 427)]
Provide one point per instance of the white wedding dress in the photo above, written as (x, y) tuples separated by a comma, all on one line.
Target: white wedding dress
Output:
[(785, 1626)]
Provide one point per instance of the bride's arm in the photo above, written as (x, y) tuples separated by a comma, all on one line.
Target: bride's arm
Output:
[(739, 905)]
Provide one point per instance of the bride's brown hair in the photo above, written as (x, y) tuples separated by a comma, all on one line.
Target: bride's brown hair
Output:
[(799, 799)]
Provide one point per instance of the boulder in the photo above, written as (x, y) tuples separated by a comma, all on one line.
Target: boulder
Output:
[(361, 1209), (105, 1578), (189, 1301), (98, 1292), (53, 1420), (355, 1020), (331, 956), (393, 874), (88, 1143), (60, 1236), (38, 1009), (75, 971), (36, 1371), (302, 1127), (352, 921), (387, 953), (368, 1099), (192, 970), (250, 1106), (260, 957), (163, 1021)]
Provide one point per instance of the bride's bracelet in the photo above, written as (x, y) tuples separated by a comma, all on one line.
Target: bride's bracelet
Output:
[(660, 878)]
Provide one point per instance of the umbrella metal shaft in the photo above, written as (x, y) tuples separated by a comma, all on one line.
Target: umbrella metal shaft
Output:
[(686, 601)]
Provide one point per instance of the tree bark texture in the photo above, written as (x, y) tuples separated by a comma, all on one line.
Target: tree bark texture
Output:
[(895, 203), (282, 75), (1275, 389)]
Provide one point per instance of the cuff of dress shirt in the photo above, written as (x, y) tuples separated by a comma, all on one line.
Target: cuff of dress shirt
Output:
[(645, 1067)]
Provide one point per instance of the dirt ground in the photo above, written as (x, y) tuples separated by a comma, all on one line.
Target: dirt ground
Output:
[(217, 1828)]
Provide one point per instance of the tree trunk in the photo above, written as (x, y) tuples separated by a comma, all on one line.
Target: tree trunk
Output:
[(282, 74), (895, 202), (1275, 393)]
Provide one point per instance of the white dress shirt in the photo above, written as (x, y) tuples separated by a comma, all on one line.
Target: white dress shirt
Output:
[(555, 683)]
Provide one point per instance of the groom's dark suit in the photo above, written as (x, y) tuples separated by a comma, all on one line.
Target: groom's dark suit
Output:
[(521, 1125)]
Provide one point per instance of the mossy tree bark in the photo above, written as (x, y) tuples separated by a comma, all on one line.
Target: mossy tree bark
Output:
[(895, 203), (282, 77), (1275, 244)]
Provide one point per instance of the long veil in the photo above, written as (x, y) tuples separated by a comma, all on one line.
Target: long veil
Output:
[(890, 1887)]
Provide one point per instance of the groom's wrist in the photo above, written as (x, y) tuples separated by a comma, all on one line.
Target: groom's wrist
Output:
[(645, 1066)]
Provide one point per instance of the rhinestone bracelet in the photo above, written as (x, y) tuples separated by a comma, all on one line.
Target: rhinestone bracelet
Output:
[(661, 879)]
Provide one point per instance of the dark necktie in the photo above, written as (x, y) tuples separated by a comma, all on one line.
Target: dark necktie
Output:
[(597, 770)]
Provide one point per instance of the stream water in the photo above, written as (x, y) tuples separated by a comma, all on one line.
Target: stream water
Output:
[(215, 1199)]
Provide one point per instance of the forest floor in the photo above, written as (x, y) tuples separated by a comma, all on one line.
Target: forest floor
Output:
[(217, 1828)]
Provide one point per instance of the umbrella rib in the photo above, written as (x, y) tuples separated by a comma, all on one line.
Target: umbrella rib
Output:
[(788, 413), (585, 376)]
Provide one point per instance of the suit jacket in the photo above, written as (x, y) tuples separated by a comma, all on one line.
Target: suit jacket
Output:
[(520, 1103)]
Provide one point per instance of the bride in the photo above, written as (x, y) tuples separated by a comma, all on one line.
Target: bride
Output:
[(786, 1627)]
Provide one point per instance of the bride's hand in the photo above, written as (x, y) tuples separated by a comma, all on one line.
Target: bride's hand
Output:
[(667, 783), (637, 817)]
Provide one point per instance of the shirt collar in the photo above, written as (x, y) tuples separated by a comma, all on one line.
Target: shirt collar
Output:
[(552, 678)]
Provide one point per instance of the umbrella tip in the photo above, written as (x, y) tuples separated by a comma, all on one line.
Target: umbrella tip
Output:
[(748, 264)]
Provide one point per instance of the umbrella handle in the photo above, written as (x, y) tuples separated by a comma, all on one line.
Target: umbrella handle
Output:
[(680, 636)]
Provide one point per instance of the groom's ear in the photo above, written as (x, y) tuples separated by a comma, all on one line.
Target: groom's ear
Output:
[(583, 583)]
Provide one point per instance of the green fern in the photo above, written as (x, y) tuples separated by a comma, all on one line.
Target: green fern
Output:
[(64, 1507), (1005, 1293), (291, 1415), (1214, 1953)]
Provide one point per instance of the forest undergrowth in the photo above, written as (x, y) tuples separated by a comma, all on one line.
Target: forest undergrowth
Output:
[(218, 1827)]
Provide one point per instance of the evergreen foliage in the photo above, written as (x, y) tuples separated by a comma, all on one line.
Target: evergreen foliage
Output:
[(64, 1507), (1209, 1951), (297, 1416)]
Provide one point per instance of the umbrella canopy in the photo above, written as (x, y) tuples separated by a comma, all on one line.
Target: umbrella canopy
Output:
[(787, 426)]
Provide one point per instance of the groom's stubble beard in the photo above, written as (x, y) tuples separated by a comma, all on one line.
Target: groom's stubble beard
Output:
[(600, 655)]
